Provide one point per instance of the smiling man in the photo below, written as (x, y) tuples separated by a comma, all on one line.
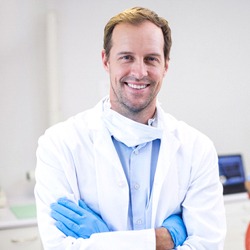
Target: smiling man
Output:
[(125, 174), (136, 65)]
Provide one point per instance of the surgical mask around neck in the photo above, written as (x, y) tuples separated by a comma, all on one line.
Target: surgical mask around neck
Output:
[(128, 131)]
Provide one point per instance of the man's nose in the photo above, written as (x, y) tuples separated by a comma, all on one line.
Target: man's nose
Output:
[(139, 69)]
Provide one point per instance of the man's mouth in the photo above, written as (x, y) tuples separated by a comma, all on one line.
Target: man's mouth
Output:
[(137, 86)]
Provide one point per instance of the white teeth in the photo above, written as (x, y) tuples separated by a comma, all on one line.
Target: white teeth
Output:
[(134, 86)]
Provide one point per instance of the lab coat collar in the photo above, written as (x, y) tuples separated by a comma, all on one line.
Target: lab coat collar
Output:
[(113, 190)]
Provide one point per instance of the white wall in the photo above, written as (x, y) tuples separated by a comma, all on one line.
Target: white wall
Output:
[(208, 84), (23, 101)]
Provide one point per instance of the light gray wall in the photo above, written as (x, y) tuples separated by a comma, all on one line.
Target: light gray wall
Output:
[(23, 101), (208, 84)]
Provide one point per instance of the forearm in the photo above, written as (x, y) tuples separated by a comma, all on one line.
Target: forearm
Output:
[(122, 240), (163, 239)]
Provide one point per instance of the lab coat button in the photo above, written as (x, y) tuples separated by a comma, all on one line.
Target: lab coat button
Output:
[(121, 184), (136, 186)]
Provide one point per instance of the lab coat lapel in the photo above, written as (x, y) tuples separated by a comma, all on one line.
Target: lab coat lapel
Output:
[(165, 188), (112, 185)]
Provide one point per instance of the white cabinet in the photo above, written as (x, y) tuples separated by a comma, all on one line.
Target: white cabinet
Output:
[(238, 217), (25, 238), (18, 234)]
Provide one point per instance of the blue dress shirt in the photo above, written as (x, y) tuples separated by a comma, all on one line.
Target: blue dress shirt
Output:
[(139, 164)]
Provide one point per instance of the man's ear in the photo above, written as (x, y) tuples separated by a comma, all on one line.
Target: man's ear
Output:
[(166, 67), (105, 60)]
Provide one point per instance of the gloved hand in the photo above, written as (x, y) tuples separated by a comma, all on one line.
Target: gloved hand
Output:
[(176, 227), (76, 221)]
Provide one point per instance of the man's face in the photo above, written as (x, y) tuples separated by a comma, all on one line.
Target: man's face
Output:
[(136, 66)]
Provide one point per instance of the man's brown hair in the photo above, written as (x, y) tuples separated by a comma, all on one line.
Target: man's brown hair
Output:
[(136, 16)]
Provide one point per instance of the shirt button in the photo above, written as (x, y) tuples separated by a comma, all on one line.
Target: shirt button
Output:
[(139, 222), (136, 152), (136, 186)]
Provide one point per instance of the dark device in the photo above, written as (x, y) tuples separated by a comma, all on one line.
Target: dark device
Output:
[(232, 173)]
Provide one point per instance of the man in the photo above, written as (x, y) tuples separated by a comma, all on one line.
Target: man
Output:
[(125, 166)]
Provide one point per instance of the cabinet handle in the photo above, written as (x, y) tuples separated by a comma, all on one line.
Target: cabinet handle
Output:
[(23, 240)]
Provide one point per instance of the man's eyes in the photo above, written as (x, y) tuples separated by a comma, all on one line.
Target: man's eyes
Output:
[(148, 59), (151, 59), (127, 57)]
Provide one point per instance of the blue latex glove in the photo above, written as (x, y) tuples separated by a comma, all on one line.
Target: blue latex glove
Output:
[(176, 227), (76, 221)]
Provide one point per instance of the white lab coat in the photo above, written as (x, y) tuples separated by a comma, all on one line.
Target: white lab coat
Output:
[(77, 159)]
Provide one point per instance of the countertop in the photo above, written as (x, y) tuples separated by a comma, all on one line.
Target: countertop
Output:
[(18, 214), (235, 197)]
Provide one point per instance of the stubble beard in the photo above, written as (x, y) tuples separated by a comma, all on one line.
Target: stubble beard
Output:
[(124, 105)]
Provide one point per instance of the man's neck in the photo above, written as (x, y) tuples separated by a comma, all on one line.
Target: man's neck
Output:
[(143, 116)]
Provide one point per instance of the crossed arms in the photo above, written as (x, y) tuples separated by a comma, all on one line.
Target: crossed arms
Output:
[(79, 221)]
